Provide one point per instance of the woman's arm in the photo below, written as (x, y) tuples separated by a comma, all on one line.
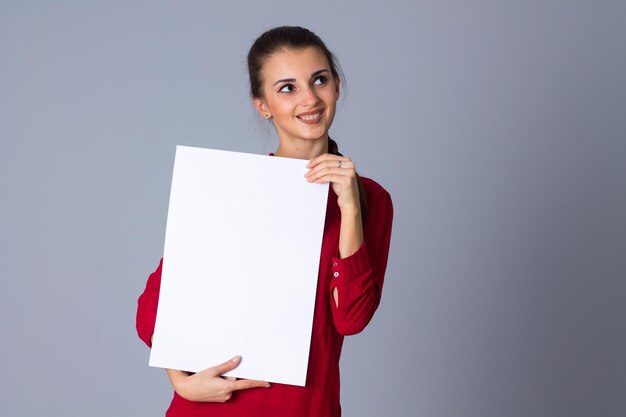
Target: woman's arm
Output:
[(358, 278), (207, 385), (358, 271), (147, 306), (340, 171)]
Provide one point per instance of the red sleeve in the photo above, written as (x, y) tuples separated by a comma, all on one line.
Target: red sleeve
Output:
[(359, 277), (147, 306)]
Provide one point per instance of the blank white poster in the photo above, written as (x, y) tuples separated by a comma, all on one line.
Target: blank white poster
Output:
[(240, 265)]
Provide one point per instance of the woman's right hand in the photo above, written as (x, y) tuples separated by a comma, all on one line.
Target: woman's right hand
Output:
[(209, 385)]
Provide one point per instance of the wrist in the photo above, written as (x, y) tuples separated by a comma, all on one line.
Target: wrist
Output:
[(182, 388), (350, 211), (179, 381)]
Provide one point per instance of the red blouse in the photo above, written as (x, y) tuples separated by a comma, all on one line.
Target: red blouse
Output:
[(359, 280)]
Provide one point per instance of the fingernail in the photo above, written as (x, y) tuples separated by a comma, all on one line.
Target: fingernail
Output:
[(267, 385), (235, 359)]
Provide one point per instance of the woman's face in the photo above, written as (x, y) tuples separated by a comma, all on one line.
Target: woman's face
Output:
[(299, 94)]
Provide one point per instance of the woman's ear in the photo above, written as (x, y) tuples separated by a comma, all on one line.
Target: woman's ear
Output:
[(337, 82), (260, 107)]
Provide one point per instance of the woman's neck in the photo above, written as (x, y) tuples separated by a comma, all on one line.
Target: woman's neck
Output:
[(303, 149)]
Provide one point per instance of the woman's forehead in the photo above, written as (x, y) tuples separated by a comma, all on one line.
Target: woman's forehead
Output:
[(295, 63)]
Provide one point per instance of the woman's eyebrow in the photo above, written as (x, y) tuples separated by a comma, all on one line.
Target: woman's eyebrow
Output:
[(318, 72), (286, 80), (293, 80)]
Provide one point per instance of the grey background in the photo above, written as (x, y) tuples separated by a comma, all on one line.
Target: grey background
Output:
[(499, 129)]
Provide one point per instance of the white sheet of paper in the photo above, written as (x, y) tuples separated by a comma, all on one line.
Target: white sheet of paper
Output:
[(240, 265)]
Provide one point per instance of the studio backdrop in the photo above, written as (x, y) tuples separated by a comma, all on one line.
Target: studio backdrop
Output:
[(498, 128)]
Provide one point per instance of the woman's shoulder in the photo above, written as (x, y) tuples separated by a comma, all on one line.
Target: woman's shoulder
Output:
[(372, 188), (379, 207), (377, 197)]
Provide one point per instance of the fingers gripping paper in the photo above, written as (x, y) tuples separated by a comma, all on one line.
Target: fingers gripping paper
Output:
[(241, 258)]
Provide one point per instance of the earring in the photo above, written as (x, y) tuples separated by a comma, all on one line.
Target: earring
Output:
[(267, 115)]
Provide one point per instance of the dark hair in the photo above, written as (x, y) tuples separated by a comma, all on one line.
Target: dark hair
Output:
[(284, 38), (280, 39)]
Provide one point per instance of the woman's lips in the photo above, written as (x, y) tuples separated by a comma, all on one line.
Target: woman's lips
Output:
[(311, 117)]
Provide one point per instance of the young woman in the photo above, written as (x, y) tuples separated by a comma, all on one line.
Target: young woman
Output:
[(295, 83)]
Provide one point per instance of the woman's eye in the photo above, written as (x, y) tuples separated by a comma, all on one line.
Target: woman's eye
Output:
[(320, 80), (287, 88)]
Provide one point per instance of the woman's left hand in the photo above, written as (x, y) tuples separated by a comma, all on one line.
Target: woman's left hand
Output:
[(340, 172)]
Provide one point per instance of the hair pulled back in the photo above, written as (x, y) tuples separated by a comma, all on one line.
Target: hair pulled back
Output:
[(285, 38)]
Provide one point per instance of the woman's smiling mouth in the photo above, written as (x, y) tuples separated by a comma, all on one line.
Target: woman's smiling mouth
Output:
[(311, 117)]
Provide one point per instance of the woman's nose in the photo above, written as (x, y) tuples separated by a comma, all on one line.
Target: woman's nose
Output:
[(309, 96)]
